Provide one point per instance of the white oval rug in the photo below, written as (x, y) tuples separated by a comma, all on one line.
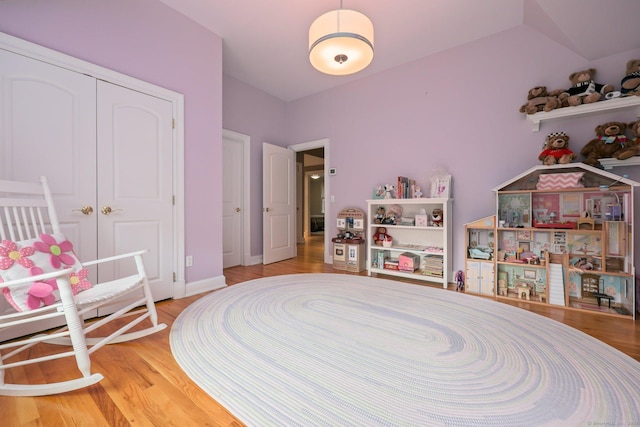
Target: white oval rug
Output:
[(343, 350)]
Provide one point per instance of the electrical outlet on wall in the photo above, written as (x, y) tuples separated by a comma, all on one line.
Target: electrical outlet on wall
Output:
[(189, 260)]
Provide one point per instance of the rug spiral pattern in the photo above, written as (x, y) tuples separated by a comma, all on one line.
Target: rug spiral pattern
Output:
[(344, 350)]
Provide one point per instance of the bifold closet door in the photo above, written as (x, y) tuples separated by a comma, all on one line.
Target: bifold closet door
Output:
[(107, 151)]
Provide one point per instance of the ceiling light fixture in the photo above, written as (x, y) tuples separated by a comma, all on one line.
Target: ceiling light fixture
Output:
[(341, 42), (315, 176)]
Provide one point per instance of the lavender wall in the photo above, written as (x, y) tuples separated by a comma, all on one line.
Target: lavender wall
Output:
[(455, 111), (261, 117), (147, 40)]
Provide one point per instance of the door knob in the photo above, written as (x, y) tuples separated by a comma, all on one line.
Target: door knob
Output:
[(237, 209), (266, 210), (106, 210), (87, 210)]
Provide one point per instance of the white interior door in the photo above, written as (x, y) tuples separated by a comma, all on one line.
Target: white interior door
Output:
[(278, 203), (135, 183), (48, 122), (232, 201)]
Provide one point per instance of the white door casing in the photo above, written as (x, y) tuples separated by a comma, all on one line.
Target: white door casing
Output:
[(232, 201), (278, 203), (325, 144)]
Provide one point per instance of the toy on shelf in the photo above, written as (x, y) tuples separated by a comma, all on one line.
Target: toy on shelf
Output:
[(610, 142), (381, 236), (584, 89), (630, 84), (539, 99), (556, 150), (436, 217)]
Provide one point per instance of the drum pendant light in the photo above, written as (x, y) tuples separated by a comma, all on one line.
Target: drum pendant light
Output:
[(341, 42)]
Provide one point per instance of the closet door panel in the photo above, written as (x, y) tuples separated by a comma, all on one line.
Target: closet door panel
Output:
[(48, 121), (135, 181)]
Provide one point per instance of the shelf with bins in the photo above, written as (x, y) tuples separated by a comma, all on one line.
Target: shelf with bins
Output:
[(420, 250), (569, 246)]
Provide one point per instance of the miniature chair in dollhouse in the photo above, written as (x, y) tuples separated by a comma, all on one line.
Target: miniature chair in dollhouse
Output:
[(44, 282)]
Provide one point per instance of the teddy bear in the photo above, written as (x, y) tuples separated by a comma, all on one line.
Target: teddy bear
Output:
[(609, 142), (381, 235), (630, 84), (584, 89), (538, 99), (380, 214), (436, 217), (556, 150), (632, 147)]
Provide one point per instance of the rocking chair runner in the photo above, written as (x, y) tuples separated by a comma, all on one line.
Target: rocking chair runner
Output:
[(27, 216)]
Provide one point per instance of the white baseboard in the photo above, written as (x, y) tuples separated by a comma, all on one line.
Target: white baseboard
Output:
[(211, 284), (254, 260)]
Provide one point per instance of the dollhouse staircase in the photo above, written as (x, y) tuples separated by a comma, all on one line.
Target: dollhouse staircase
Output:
[(556, 284)]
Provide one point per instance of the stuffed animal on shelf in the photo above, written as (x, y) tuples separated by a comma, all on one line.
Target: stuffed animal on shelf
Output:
[(380, 213), (556, 150), (389, 191), (610, 142), (380, 236), (584, 89), (538, 99), (632, 147), (630, 84), (436, 217)]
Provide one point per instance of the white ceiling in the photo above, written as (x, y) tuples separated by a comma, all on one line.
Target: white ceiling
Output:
[(265, 43)]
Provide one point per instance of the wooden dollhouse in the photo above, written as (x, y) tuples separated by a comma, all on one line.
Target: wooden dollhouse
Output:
[(564, 236)]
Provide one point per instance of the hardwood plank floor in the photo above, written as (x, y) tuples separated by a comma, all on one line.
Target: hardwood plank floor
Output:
[(144, 386)]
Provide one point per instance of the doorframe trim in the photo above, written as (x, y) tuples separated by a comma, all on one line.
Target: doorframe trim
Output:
[(328, 204), (53, 57), (245, 140)]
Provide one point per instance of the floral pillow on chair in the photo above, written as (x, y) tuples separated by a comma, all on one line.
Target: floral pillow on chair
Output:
[(48, 253)]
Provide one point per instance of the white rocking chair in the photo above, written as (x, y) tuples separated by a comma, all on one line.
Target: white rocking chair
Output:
[(26, 214)]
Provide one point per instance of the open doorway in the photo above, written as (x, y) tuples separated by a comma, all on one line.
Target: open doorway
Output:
[(312, 205)]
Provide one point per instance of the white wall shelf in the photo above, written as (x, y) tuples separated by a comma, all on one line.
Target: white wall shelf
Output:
[(609, 105)]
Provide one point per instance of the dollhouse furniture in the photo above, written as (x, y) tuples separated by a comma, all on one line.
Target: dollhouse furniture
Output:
[(48, 286)]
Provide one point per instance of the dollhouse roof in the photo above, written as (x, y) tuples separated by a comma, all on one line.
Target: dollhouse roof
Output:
[(592, 177)]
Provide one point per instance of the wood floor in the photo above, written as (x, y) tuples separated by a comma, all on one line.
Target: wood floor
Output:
[(144, 386)]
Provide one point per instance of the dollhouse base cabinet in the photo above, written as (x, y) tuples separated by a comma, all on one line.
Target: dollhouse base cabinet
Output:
[(480, 278)]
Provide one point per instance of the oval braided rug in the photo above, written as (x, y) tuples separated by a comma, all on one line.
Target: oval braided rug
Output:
[(343, 350)]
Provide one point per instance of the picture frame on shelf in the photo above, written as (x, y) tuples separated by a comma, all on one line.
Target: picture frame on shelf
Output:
[(524, 235), (529, 274), (441, 186)]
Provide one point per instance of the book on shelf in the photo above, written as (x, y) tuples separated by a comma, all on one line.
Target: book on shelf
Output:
[(406, 187)]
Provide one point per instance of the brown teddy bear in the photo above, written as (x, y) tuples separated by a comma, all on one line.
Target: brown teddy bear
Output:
[(437, 217), (609, 142), (556, 150), (381, 235), (630, 84), (585, 90), (632, 147), (539, 99)]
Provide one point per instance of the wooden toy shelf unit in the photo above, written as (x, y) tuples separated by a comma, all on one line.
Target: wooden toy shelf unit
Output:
[(564, 236), (419, 244)]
